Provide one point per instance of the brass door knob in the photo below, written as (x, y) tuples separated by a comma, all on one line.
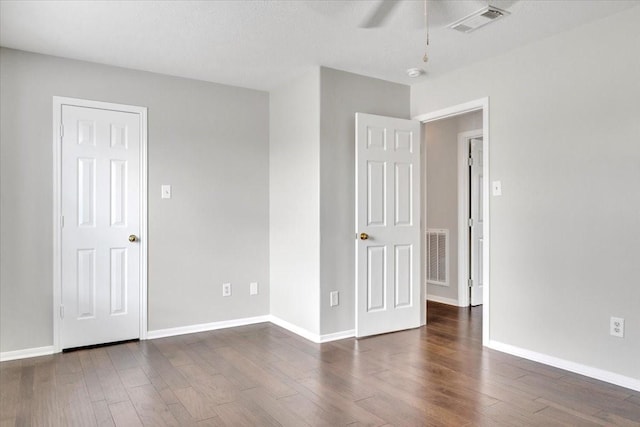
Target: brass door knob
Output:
[(133, 238), (364, 236)]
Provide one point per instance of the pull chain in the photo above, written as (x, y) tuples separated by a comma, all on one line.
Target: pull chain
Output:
[(425, 58)]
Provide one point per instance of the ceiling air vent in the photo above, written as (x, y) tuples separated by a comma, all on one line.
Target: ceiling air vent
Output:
[(478, 19)]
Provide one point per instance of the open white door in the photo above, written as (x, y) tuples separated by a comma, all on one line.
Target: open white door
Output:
[(477, 221), (387, 224)]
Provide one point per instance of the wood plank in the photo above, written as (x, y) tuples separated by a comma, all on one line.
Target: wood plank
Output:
[(150, 407), (237, 414), (256, 373), (328, 398), (393, 411), (569, 416), (199, 406), (124, 414), (133, 377), (25, 400), (103, 414), (276, 408)]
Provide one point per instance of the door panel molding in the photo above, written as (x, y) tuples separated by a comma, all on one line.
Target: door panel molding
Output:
[(58, 103)]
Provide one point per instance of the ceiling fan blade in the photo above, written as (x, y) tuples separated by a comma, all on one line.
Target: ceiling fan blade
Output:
[(380, 14)]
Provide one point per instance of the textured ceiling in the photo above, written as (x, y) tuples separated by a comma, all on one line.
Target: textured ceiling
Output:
[(262, 44)]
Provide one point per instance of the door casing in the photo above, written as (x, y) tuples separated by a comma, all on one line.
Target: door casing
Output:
[(481, 104), (58, 102)]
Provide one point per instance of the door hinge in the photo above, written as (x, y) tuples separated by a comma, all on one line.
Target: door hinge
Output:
[(62, 311), (61, 130), (470, 222), (470, 161), (471, 283)]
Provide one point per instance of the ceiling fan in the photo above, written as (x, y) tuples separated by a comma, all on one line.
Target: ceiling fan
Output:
[(444, 11), (471, 22), (379, 14)]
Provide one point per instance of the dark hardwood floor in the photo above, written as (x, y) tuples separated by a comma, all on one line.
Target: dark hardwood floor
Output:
[(262, 375)]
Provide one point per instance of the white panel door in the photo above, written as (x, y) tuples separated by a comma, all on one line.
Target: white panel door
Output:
[(477, 221), (101, 221), (387, 224)]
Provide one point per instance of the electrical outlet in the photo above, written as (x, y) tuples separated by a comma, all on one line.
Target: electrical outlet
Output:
[(253, 288), (334, 298), (616, 327), (226, 289)]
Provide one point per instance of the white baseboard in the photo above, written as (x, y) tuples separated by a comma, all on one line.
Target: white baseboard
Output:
[(203, 327), (316, 338), (304, 333), (567, 365), (26, 353), (338, 336), (443, 300)]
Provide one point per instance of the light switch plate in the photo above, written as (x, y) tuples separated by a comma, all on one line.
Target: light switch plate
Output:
[(166, 191), (253, 288), (496, 188)]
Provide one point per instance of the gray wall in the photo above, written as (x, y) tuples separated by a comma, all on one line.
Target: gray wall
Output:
[(441, 141), (565, 142), (294, 194), (342, 95), (312, 184), (209, 141)]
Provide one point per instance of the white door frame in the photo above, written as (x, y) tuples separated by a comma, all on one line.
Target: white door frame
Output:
[(464, 234), (58, 102), (456, 110)]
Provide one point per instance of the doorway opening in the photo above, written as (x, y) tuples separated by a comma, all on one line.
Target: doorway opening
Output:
[(455, 214)]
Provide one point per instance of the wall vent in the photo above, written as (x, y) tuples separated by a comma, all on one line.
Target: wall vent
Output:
[(478, 19), (438, 257)]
